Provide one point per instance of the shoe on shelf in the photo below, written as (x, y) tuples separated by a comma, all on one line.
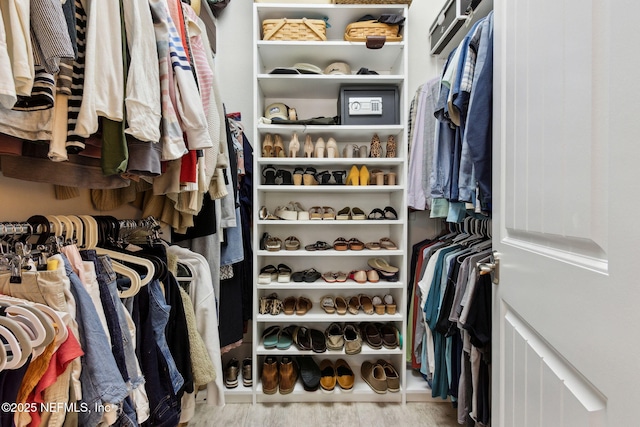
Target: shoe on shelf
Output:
[(268, 274), (362, 151), (278, 146), (327, 303), (298, 173), (289, 305), (353, 305), (349, 151), (371, 335), (390, 178), (284, 273), (376, 214), (341, 305), (328, 213), (373, 276), (287, 212), (285, 338), (364, 175), (302, 338), (292, 243), (374, 376), (387, 243), (288, 375), (377, 177), (315, 212), (378, 304), (247, 372), (390, 213), (269, 173), (352, 340), (338, 177), (358, 214), (391, 147), (303, 305), (344, 213), (309, 177), (389, 303), (389, 334), (308, 146), (270, 336), (327, 375), (318, 341), (376, 146), (344, 375), (332, 149), (324, 177), (294, 145), (309, 373), (231, 371), (335, 337), (269, 376), (267, 146), (320, 147), (393, 378), (273, 244), (354, 176), (366, 303)]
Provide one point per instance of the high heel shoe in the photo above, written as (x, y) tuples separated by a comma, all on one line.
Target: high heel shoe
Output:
[(269, 173), (323, 177), (338, 176), (267, 145), (297, 176), (390, 178), (348, 150), (354, 176), (376, 146), (377, 177), (294, 145), (278, 146), (362, 151), (285, 177), (308, 147), (391, 146), (332, 149), (309, 177), (364, 175), (319, 150)]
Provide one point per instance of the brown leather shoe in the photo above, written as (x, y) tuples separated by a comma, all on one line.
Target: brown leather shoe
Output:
[(288, 375), (270, 375), (328, 375), (344, 375), (373, 374), (393, 378)]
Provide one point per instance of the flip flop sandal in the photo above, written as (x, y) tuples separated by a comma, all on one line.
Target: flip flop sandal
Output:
[(358, 214), (340, 244), (302, 338), (390, 213), (387, 243), (340, 276), (284, 273), (268, 273), (284, 339), (270, 336), (328, 277), (273, 244), (318, 341), (376, 214), (269, 173), (318, 246), (292, 243), (382, 265), (311, 275)]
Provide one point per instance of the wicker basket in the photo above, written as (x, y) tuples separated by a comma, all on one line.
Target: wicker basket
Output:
[(358, 31), (294, 29), (372, 2)]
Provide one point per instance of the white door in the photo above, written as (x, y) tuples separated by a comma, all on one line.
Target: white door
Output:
[(566, 192)]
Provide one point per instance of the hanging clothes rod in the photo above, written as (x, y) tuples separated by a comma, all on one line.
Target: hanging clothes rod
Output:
[(15, 228)]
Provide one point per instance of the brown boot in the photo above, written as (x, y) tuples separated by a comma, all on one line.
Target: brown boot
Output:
[(270, 375), (391, 146), (288, 375)]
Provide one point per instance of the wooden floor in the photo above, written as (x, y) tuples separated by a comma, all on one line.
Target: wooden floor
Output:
[(326, 414)]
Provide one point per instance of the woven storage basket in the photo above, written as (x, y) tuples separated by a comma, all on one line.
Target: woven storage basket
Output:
[(294, 29), (372, 2), (358, 31)]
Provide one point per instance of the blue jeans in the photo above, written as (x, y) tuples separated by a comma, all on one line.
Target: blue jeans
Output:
[(100, 378)]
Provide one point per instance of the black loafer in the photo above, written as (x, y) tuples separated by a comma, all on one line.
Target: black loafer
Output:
[(309, 373)]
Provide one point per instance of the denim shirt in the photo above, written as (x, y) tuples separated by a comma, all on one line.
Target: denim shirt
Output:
[(100, 378)]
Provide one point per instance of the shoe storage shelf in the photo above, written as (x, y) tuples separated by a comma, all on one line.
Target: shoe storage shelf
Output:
[(330, 223)]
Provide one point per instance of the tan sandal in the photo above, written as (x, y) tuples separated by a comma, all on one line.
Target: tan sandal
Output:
[(387, 243), (366, 303), (303, 305), (340, 305), (292, 243), (316, 212)]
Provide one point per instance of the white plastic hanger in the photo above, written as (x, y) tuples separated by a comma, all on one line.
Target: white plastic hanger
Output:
[(24, 341), (55, 317), (10, 361), (37, 322)]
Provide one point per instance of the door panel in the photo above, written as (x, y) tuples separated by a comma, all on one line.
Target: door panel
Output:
[(566, 172)]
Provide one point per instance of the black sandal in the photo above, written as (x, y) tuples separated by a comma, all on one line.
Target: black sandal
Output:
[(323, 177), (285, 177), (269, 173), (338, 176), (390, 213), (376, 214)]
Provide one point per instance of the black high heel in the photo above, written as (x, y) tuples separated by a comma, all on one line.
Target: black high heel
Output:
[(285, 176), (269, 173), (338, 176), (324, 177)]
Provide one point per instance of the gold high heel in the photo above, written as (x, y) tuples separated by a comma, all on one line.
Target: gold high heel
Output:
[(294, 145), (267, 145), (364, 175), (278, 146), (354, 176), (332, 149), (308, 147), (319, 148)]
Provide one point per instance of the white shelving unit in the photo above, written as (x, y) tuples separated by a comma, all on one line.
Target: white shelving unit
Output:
[(313, 96)]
